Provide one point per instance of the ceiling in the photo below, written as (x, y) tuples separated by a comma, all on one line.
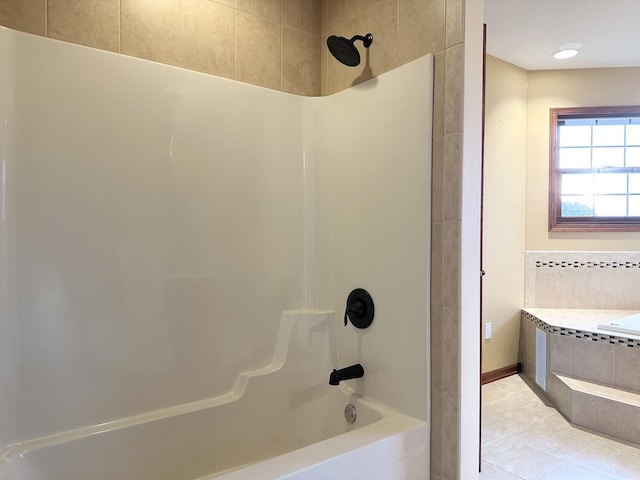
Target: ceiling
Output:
[(527, 32)]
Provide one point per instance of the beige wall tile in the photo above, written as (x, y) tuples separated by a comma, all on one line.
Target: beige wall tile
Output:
[(452, 177), (436, 264), (529, 367), (421, 27), (559, 353), (436, 179), (436, 348), (547, 289), (24, 15), (382, 22), (627, 366), (453, 73), (375, 4), (560, 395), (438, 94), (450, 349), (269, 10), (324, 60), (324, 17), (300, 62), (584, 287), (451, 263), (530, 287), (209, 37), (454, 23), (592, 360), (527, 338), (258, 52), (583, 410), (450, 436), (436, 434), (302, 15), (618, 419), (95, 23), (340, 13), (618, 288), (152, 30)]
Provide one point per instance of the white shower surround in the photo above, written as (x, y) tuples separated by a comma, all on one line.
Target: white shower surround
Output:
[(156, 221)]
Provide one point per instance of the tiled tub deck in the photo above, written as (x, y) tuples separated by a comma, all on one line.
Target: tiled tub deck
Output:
[(589, 374)]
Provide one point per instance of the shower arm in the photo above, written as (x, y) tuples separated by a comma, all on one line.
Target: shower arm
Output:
[(366, 40)]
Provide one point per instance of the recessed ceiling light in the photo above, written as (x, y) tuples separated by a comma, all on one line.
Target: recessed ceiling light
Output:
[(567, 53), (567, 50)]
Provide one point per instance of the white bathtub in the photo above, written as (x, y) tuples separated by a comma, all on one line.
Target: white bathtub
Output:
[(630, 325), (282, 421)]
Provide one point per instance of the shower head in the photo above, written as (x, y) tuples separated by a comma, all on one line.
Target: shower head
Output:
[(344, 49)]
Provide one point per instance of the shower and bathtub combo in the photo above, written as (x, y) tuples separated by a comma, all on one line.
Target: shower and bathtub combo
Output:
[(176, 254)]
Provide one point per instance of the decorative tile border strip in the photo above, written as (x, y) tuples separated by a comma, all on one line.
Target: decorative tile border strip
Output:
[(579, 264), (571, 332)]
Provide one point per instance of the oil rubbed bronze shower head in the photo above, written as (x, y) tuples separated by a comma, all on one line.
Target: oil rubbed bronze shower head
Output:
[(344, 49)]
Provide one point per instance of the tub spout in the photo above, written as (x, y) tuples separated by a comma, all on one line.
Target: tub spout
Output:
[(347, 373)]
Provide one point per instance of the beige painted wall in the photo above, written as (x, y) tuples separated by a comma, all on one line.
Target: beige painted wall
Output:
[(270, 43), (569, 88), (504, 205)]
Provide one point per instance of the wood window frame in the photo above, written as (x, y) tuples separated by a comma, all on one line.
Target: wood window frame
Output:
[(558, 223)]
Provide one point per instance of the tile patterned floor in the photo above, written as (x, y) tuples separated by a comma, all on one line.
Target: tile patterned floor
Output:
[(523, 439)]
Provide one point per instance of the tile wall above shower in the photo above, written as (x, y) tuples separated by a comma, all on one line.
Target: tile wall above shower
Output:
[(273, 44), (403, 30), (278, 44), (609, 280)]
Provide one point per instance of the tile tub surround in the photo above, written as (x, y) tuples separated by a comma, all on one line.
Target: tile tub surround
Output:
[(590, 372), (596, 280)]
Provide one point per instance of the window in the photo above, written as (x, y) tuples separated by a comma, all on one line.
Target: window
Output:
[(594, 169)]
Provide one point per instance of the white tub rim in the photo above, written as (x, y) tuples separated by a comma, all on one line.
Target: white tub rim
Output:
[(392, 424)]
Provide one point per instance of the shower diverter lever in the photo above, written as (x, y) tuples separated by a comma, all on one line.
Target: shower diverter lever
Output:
[(360, 309)]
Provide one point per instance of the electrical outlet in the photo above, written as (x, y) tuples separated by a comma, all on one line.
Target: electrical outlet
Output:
[(487, 330)]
